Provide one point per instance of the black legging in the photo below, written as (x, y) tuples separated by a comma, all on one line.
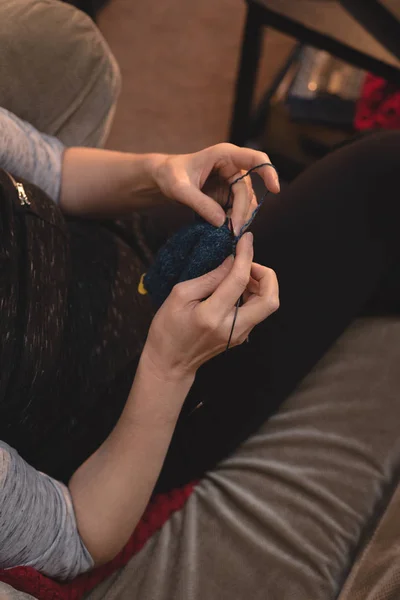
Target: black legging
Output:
[(332, 237)]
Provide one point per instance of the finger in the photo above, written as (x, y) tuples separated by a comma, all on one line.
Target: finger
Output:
[(254, 202), (258, 272), (253, 287), (253, 199), (230, 159), (202, 287), (241, 204), (226, 295), (216, 188), (244, 203), (205, 206), (262, 304), (270, 177), (265, 280)]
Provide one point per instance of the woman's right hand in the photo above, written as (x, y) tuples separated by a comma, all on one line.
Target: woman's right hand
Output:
[(187, 330)]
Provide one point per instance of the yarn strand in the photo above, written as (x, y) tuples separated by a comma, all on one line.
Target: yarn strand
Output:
[(237, 306), (266, 164), (242, 231), (237, 238)]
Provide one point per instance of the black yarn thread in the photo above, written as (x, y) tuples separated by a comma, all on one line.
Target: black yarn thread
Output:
[(226, 207), (239, 301), (266, 164), (237, 306), (241, 232)]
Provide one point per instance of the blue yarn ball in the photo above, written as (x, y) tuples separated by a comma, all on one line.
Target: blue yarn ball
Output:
[(191, 252)]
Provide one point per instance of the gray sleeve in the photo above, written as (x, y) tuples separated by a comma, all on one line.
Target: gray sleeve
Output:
[(27, 153), (37, 522)]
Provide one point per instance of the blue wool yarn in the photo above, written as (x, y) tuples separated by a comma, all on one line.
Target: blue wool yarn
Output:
[(191, 252), (194, 251)]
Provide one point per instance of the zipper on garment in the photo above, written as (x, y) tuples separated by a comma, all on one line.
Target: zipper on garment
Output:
[(23, 198)]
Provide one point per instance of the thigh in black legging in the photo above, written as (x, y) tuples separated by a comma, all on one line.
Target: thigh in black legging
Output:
[(330, 236)]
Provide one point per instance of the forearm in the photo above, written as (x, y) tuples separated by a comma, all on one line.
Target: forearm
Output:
[(112, 488), (104, 182)]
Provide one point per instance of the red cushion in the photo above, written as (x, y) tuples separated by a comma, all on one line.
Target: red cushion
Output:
[(379, 105), (30, 581)]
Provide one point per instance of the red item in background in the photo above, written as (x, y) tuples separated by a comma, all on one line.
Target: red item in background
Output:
[(30, 581), (379, 105)]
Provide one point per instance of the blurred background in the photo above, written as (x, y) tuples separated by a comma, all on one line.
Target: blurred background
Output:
[(293, 77), (178, 61)]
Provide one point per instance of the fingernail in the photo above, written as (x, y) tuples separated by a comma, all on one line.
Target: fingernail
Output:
[(276, 179), (221, 222), (250, 237)]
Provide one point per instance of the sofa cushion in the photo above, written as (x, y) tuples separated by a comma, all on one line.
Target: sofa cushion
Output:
[(376, 572), (9, 593), (283, 517), (56, 70)]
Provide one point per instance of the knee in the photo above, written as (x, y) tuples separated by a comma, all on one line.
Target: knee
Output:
[(376, 154)]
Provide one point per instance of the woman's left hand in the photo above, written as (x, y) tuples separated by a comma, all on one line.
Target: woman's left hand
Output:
[(182, 177)]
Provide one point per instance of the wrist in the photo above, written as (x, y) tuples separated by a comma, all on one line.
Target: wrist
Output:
[(163, 370), (156, 396), (151, 165), (140, 176)]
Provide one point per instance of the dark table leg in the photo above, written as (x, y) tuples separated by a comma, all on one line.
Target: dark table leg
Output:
[(247, 76), (260, 114), (378, 21)]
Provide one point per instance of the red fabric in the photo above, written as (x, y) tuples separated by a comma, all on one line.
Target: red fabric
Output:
[(378, 106), (30, 581)]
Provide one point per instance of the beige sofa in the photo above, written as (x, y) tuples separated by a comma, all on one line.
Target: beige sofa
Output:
[(304, 509)]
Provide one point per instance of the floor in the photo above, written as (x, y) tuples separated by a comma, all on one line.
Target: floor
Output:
[(178, 61)]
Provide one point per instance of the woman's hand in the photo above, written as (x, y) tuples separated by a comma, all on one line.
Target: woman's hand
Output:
[(187, 330), (103, 182), (183, 177)]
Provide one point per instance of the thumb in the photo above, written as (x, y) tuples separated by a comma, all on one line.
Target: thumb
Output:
[(205, 206), (204, 286)]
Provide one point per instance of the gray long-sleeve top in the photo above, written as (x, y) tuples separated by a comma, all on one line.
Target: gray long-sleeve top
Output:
[(37, 520)]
